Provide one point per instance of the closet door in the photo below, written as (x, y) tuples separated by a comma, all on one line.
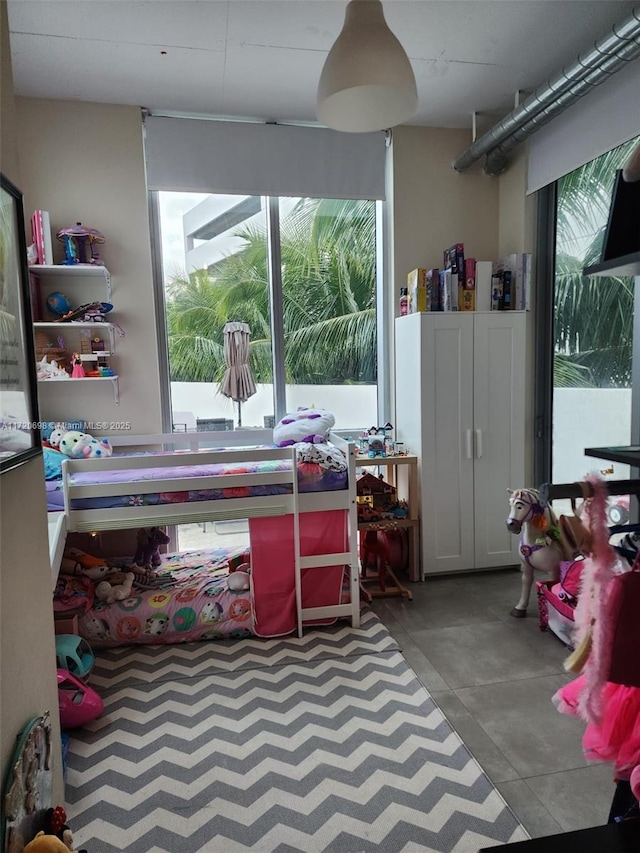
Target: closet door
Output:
[(499, 431), (447, 448)]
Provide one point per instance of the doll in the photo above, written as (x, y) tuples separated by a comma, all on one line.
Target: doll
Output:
[(78, 369)]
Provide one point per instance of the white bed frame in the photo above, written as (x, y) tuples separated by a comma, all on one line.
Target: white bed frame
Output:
[(199, 450)]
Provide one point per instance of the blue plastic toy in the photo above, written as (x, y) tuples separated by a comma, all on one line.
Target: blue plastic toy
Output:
[(74, 654)]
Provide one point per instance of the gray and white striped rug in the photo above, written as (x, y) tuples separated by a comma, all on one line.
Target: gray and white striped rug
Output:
[(326, 743)]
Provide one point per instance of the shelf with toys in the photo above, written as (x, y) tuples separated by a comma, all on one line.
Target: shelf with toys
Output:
[(387, 493), (73, 340), (73, 350)]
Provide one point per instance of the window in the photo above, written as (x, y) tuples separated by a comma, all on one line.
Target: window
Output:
[(314, 308), (593, 327)]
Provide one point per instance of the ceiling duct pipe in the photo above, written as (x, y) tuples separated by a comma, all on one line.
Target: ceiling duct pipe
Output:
[(608, 55)]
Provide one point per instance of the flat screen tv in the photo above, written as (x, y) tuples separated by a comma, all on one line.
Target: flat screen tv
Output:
[(622, 235)]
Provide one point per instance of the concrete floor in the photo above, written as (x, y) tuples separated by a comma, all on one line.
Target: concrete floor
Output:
[(493, 676)]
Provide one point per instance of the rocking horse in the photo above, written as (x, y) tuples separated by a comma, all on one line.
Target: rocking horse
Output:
[(540, 548)]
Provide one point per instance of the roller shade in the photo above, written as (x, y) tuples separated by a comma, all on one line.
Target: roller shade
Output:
[(192, 155), (598, 122)]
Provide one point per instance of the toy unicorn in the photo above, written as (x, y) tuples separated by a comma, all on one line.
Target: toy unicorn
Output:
[(540, 548)]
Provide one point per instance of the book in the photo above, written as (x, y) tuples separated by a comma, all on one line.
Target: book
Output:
[(506, 296), (520, 265), (41, 236), (483, 285), (433, 289), (447, 301), (453, 258), (467, 290), (418, 290), (496, 291)]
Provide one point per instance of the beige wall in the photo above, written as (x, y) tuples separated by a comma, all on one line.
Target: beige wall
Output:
[(517, 233), (84, 162), (434, 206), (27, 653)]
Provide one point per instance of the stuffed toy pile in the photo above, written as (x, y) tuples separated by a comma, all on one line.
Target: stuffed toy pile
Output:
[(79, 445), (111, 584)]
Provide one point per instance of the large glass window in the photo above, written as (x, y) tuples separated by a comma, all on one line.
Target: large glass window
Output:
[(216, 268), (593, 327), (328, 261)]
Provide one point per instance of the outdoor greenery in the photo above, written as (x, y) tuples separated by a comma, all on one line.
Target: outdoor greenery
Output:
[(329, 315), (593, 316)]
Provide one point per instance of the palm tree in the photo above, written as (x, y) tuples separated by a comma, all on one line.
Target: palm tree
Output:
[(329, 317), (593, 316)]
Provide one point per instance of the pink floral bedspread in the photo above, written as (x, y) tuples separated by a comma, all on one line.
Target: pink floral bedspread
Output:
[(190, 601)]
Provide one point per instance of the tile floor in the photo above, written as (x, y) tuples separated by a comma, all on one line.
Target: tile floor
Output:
[(493, 676)]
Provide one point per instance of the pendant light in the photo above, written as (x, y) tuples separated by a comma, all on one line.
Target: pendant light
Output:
[(367, 82)]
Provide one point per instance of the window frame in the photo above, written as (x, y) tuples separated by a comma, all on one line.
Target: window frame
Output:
[(272, 207)]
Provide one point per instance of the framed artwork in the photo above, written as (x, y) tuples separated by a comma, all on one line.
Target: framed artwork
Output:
[(19, 426)]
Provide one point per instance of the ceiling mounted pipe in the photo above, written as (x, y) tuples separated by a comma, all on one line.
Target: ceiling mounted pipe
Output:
[(609, 55)]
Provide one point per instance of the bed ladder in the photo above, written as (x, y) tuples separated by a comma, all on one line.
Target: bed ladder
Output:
[(348, 558)]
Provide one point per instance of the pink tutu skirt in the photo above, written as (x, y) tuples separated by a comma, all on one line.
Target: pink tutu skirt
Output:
[(616, 738)]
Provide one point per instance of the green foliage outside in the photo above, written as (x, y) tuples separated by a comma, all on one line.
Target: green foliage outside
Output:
[(329, 314), (593, 317)]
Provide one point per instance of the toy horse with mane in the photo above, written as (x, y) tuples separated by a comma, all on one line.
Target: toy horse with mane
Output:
[(540, 548)]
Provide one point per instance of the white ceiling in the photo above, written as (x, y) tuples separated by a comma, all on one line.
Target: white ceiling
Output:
[(262, 58)]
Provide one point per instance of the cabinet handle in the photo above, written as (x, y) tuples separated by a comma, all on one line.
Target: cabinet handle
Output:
[(468, 444), (478, 443)]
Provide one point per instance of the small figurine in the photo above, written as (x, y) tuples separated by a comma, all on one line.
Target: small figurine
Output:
[(78, 369)]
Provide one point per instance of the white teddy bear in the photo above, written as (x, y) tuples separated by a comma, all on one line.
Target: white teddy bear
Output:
[(81, 445), (116, 587)]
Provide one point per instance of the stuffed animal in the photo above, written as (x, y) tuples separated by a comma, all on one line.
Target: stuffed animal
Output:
[(55, 437), (82, 445), (46, 844), (56, 823), (115, 587), (50, 844), (76, 562), (97, 448), (312, 425), (147, 554), (239, 579)]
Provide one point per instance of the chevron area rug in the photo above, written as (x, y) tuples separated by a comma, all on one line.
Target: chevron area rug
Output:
[(325, 744)]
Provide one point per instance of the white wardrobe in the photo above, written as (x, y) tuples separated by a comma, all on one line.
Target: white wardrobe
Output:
[(460, 403)]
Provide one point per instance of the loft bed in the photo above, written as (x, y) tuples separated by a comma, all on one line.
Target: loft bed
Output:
[(168, 479)]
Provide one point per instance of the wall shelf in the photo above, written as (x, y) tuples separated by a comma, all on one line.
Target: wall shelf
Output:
[(75, 270), (78, 380), (108, 327)]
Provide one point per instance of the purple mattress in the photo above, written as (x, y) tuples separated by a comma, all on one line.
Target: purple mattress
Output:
[(312, 477)]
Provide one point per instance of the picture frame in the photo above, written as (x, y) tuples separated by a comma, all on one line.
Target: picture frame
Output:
[(20, 438)]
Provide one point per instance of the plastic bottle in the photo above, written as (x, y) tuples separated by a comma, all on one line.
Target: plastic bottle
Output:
[(404, 301)]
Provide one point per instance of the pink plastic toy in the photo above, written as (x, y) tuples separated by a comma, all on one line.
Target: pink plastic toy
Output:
[(77, 703)]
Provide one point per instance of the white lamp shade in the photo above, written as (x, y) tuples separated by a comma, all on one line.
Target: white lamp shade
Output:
[(367, 82)]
